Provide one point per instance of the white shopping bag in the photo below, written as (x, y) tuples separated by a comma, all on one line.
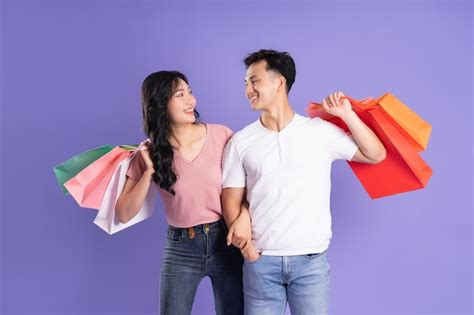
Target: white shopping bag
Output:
[(106, 218)]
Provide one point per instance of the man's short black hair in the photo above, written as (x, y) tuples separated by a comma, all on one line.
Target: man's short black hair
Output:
[(280, 62)]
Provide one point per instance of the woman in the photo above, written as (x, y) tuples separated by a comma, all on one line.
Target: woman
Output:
[(183, 159)]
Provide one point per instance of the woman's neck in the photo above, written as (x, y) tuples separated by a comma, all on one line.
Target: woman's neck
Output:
[(182, 134)]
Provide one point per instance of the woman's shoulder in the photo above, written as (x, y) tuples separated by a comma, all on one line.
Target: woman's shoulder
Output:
[(220, 130)]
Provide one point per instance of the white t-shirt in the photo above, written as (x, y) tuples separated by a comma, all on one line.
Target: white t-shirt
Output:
[(288, 180)]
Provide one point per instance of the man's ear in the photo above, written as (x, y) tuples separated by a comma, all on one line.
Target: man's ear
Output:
[(281, 83)]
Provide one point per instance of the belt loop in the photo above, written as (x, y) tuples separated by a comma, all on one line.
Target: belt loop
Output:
[(191, 232)]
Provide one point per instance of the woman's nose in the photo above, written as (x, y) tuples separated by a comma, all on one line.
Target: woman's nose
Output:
[(191, 100)]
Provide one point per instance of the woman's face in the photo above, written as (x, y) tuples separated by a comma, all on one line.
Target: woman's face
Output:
[(181, 104)]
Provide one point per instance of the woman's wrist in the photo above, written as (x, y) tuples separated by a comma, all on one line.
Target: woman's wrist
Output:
[(149, 172)]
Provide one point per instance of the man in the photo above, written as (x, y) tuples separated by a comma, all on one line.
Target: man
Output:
[(281, 165)]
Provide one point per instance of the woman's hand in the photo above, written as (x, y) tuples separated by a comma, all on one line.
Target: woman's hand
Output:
[(240, 231), (145, 155)]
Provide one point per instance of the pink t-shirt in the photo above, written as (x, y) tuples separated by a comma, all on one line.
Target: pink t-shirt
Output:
[(199, 182)]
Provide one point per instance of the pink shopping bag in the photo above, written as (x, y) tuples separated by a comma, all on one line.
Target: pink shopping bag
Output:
[(89, 185)]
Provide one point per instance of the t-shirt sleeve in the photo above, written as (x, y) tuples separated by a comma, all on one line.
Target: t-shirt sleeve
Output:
[(341, 146), (228, 133), (137, 167), (233, 173), (225, 133)]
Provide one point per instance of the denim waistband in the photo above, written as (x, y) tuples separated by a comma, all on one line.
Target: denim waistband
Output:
[(201, 228)]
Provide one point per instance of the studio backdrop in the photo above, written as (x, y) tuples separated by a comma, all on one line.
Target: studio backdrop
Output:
[(71, 73)]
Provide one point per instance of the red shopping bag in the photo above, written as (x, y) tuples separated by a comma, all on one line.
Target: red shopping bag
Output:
[(403, 169)]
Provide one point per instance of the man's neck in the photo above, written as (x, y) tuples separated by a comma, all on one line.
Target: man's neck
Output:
[(278, 117)]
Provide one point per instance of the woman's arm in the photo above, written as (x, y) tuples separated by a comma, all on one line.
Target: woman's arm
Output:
[(237, 217), (232, 199), (134, 193), (133, 196)]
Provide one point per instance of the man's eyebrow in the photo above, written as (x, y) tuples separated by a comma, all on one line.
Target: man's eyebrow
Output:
[(250, 78)]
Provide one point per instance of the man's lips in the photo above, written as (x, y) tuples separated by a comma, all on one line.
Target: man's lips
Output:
[(253, 98)]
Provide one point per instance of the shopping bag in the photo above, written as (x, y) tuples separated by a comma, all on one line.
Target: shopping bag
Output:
[(402, 170), (416, 130), (106, 218), (70, 168), (412, 126), (89, 185)]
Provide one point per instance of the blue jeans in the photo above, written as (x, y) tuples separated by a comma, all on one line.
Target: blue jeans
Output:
[(192, 254), (302, 280)]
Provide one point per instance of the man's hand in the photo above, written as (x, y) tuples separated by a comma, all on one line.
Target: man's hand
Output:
[(337, 104), (371, 149)]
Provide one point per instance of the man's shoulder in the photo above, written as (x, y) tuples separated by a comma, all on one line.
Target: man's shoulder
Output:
[(308, 121), (304, 125), (316, 124)]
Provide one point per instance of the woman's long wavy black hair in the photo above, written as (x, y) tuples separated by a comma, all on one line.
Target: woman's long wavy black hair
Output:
[(157, 90)]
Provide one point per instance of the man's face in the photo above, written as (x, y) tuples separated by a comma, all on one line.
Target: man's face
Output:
[(261, 86)]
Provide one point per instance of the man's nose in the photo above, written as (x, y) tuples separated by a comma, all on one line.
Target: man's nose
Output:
[(248, 89)]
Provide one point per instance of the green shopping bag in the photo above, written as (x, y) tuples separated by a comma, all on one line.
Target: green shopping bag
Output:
[(70, 168)]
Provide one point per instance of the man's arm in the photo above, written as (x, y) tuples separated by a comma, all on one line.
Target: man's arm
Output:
[(371, 150)]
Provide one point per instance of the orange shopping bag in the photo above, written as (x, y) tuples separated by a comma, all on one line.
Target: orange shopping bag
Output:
[(413, 127)]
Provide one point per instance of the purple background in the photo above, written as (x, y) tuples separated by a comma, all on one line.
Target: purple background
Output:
[(70, 79)]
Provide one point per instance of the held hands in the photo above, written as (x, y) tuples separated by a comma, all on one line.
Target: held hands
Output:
[(337, 104), (240, 231), (240, 235), (249, 252)]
